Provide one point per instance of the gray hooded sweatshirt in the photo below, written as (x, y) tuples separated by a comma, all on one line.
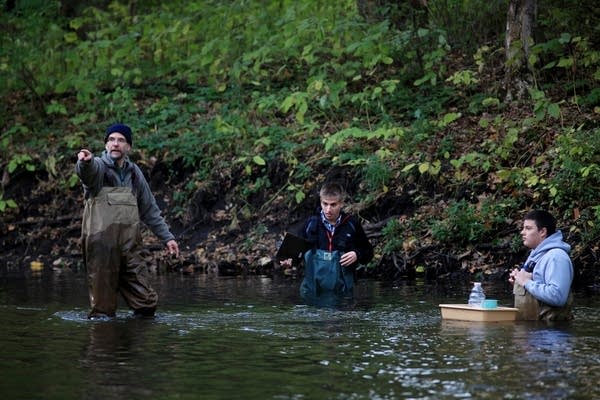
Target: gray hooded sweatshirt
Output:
[(553, 272)]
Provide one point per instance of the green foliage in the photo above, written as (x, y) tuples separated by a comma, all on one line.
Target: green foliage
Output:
[(463, 78), (298, 192), (249, 88), (393, 232), (577, 164), (261, 183), (543, 107), (469, 23), (377, 175), (20, 160), (564, 56), (460, 224), (467, 223), (6, 204), (433, 66), (588, 224)]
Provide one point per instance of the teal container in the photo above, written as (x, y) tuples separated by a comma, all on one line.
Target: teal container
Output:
[(489, 303)]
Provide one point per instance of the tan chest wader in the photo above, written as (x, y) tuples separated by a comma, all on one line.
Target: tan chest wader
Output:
[(531, 309), (111, 244)]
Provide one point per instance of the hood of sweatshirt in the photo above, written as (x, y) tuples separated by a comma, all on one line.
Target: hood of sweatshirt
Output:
[(554, 241)]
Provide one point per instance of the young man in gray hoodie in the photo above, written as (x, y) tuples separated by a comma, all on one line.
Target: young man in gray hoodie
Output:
[(117, 198), (542, 287)]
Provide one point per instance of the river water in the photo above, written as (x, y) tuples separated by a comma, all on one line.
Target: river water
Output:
[(254, 338)]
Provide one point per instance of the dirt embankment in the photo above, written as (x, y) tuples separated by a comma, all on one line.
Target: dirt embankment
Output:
[(214, 232)]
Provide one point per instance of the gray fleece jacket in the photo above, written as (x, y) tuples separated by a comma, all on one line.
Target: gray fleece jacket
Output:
[(102, 171)]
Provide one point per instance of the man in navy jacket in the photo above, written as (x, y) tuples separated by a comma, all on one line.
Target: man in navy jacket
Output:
[(338, 245)]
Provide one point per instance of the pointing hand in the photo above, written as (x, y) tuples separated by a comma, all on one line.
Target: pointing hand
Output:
[(84, 155)]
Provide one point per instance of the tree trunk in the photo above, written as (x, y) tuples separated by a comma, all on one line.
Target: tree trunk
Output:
[(520, 23)]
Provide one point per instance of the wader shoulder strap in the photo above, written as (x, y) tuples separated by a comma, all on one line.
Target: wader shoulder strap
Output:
[(111, 179)]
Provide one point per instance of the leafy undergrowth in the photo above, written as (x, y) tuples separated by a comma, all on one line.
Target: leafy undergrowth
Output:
[(241, 111), (422, 224)]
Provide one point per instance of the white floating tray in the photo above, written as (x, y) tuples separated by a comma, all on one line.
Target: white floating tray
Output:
[(465, 312)]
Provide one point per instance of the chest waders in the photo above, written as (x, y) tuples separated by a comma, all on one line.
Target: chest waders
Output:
[(531, 309), (323, 274), (111, 244)]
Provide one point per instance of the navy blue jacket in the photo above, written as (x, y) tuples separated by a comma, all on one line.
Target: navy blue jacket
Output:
[(349, 235)]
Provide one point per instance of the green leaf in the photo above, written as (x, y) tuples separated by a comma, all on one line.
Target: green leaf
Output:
[(490, 101), (435, 167), (456, 163), (564, 38), (532, 181), (449, 118), (258, 160), (73, 180), (408, 167), (554, 110), (70, 37), (566, 62), (503, 174), (12, 166), (287, 103)]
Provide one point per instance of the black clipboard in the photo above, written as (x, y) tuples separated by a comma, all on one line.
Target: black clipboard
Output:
[(293, 247)]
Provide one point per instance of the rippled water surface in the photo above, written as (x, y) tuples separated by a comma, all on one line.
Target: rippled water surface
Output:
[(254, 338)]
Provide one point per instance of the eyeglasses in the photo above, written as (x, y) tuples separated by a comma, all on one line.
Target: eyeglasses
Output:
[(119, 140)]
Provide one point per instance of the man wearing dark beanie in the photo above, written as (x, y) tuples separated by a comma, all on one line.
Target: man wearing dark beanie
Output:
[(120, 128), (117, 198)]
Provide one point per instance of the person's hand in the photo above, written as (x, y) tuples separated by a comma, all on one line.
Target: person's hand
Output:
[(522, 277), (84, 155), (173, 248), (348, 258), (286, 262), (511, 277)]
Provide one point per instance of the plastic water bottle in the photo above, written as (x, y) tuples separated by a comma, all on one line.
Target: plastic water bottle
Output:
[(477, 295)]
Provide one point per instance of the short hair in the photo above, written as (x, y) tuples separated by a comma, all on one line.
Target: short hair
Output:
[(332, 189), (542, 219)]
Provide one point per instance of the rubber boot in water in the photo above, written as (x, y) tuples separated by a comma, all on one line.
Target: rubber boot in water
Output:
[(145, 312)]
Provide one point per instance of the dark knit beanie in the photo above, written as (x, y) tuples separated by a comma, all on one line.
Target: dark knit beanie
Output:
[(120, 128)]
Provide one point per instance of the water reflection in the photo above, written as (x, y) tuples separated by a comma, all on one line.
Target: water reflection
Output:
[(257, 339), (538, 357), (111, 357), (329, 300), (548, 358)]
